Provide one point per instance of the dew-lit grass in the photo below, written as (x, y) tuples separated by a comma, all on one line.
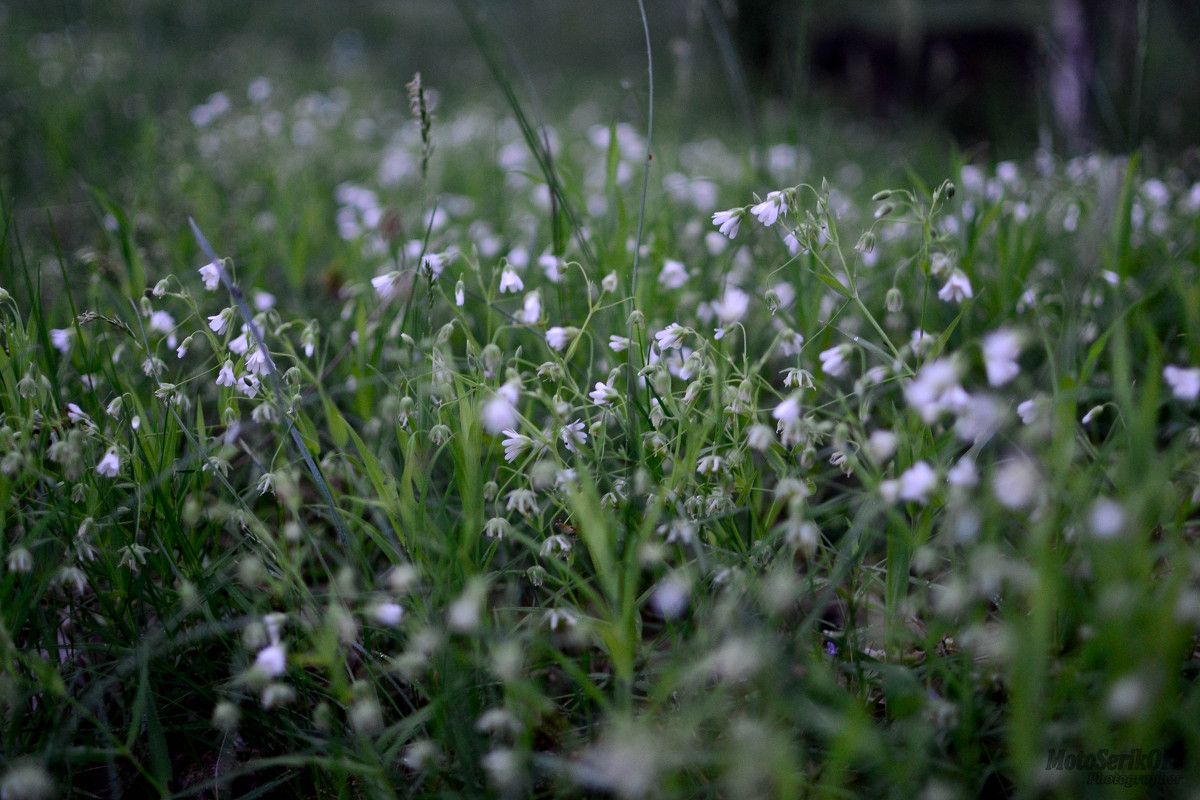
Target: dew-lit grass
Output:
[(859, 490)]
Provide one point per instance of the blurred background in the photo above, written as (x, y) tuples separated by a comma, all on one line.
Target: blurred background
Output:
[(86, 85)]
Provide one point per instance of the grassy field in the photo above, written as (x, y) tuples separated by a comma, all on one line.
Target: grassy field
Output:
[(361, 440)]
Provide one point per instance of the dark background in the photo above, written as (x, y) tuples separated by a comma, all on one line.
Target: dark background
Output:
[(997, 77)]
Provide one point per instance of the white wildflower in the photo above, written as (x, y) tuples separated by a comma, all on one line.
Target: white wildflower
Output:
[(510, 281), (110, 465), (673, 275), (917, 482), (603, 394), (769, 210), (729, 221), (1184, 382), (957, 288), (833, 360), (211, 275), (1000, 352)]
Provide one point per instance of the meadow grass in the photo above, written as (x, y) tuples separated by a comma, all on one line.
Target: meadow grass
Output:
[(409, 488)]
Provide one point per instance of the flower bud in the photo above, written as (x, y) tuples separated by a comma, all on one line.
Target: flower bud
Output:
[(894, 300)]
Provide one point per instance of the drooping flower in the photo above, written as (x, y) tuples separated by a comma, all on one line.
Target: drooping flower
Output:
[(769, 210), (957, 288), (833, 360), (523, 501), (258, 361), (515, 444), (603, 394), (219, 322), (210, 273), (558, 337), (531, 313), (574, 435), (225, 376), (387, 285), (110, 465), (729, 221), (510, 281), (671, 337)]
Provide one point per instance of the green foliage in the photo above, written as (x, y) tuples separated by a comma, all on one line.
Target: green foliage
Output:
[(886, 494)]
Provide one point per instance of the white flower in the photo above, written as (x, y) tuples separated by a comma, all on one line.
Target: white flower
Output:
[(78, 416), (788, 411), (248, 385), (609, 282), (434, 263), (239, 344), (833, 360), (510, 281), (768, 210), (881, 445), (964, 475), (917, 482), (61, 338), (940, 264), (498, 414), (387, 285), (957, 288), (619, 344), (531, 314), (258, 361), (263, 301), (225, 376), (671, 337), (760, 437), (790, 343), (1184, 382), (710, 465), (161, 322), (603, 394), (110, 465), (460, 294), (211, 275), (553, 266), (935, 389), (523, 501), (732, 306), (573, 435), (1107, 519), (1030, 410), (673, 275), (1015, 483), (728, 221), (1000, 352), (219, 322), (388, 614), (558, 337), (515, 444), (271, 661)]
